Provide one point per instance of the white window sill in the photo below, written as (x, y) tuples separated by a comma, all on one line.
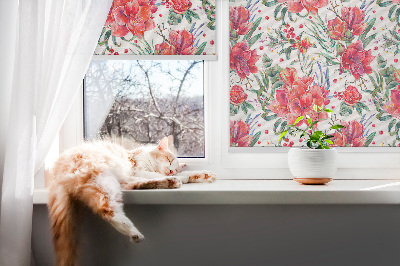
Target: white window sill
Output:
[(264, 192)]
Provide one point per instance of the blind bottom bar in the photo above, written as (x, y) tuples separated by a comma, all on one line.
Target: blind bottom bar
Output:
[(156, 57)]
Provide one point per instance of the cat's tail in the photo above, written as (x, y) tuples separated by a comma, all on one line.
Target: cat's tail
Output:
[(62, 212)]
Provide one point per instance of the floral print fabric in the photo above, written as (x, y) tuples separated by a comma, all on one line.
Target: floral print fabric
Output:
[(159, 27), (287, 57)]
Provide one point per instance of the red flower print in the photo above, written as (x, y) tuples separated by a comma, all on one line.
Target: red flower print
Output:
[(351, 135), (304, 44), (357, 60), (336, 28), (181, 42), (393, 106), (351, 96), (133, 16), (313, 5), (297, 97), (237, 95), (279, 106), (296, 6), (354, 18), (243, 60), (164, 49), (396, 1), (180, 6), (239, 132), (239, 20), (288, 75)]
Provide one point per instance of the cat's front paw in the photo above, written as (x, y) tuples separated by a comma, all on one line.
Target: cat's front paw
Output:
[(138, 237), (210, 177), (181, 167), (174, 182), (201, 177)]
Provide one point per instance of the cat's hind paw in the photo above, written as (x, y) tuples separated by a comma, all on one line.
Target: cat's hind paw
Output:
[(138, 237)]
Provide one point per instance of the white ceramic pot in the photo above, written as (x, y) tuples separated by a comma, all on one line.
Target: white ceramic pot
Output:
[(310, 166)]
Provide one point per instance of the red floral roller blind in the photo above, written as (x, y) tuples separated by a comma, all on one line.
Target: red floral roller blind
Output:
[(159, 27), (288, 56)]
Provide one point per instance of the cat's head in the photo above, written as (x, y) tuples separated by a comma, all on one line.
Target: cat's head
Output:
[(163, 159)]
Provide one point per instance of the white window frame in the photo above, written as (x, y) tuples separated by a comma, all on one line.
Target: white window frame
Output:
[(246, 163)]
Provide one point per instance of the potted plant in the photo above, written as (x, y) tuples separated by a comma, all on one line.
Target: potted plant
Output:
[(316, 163)]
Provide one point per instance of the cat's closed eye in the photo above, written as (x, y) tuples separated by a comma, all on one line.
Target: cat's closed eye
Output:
[(166, 158)]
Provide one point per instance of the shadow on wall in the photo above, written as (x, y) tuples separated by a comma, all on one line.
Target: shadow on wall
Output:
[(236, 235)]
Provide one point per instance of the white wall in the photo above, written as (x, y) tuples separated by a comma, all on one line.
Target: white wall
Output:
[(190, 235)]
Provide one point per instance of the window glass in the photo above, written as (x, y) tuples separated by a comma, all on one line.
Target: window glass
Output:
[(140, 102)]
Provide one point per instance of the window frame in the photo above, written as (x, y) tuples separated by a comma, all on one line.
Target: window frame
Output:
[(245, 163)]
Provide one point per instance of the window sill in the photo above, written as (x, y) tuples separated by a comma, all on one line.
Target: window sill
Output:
[(264, 192)]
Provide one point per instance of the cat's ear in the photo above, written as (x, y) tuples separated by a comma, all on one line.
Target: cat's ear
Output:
[(163, 145)]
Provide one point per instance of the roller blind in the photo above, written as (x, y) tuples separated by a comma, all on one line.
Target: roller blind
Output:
[(288, 56), (183, 29)]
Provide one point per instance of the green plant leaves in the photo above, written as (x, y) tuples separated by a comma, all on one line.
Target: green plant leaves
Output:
[(255, 26), (106, 37), (245, 106), (269, 118), (370, 138), (269, 4), (298, 120), (282, 135), (255, 139), (254, 39), (345, 110), (383, 118), (200, 49), (367, 40), (383, 4), (337, 126), (174, 18), (381, 61)]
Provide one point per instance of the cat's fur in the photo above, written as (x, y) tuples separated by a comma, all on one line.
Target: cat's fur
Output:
[(94, 174)]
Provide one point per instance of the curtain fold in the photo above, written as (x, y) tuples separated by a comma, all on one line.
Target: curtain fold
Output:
[(8, 16), (55, 43)]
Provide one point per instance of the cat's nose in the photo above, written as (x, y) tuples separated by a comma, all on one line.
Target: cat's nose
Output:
[(171, 172)]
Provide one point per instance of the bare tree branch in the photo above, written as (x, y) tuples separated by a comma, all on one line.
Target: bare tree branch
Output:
[(182, 82), (146, 72)]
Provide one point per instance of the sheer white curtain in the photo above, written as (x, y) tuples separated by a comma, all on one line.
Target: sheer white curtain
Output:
[(54, 44)]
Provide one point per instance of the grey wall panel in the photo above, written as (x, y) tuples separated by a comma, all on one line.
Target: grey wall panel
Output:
[(327, 235)]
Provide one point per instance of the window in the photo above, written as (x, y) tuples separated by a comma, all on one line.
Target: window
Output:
[(142, 101), (227, 162)]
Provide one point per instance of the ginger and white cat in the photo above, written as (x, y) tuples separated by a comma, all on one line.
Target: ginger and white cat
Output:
[(94, 174)]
